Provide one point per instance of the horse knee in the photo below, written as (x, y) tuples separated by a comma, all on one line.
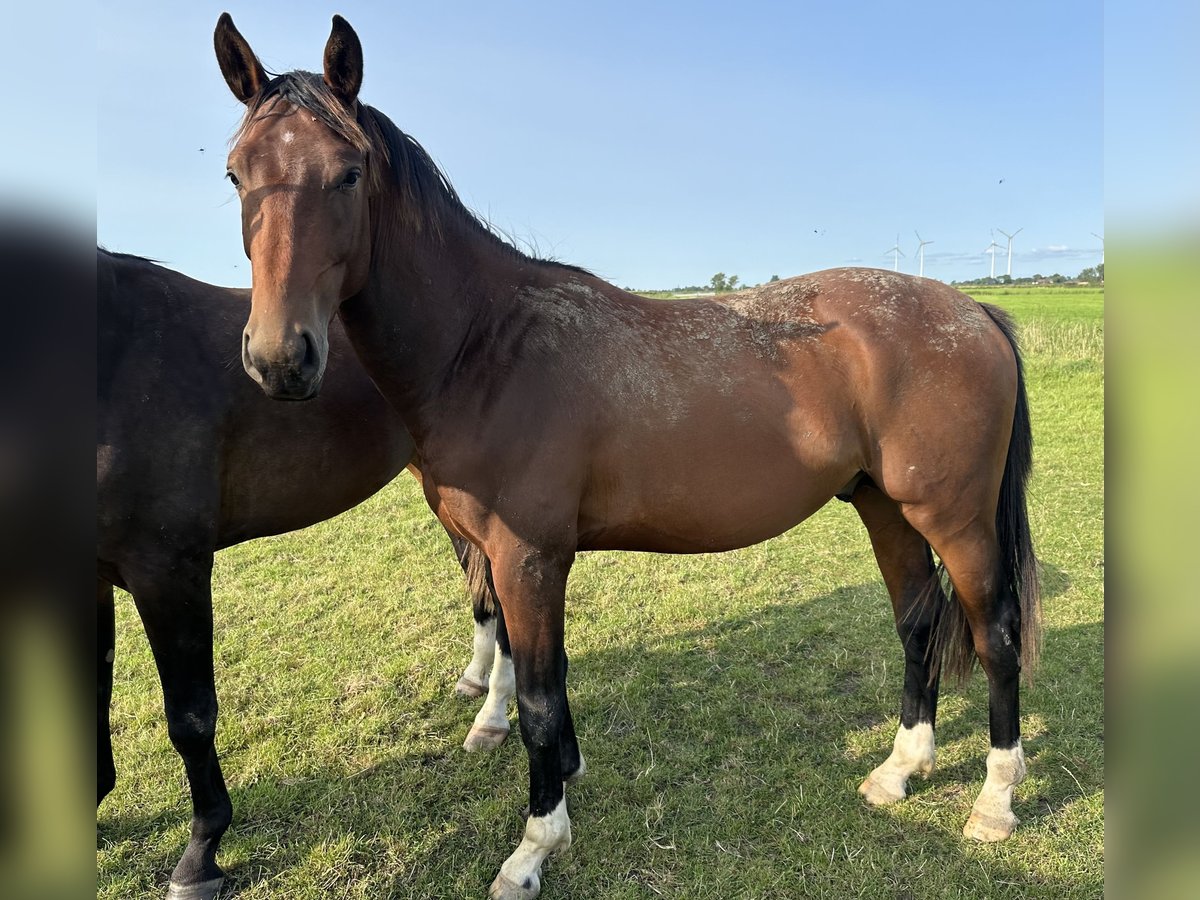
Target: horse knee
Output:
[(542, 714), (192, 731)]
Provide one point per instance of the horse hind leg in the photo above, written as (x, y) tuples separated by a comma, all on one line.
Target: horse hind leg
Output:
[(490, 728), (993, 633), (476, 677), (907, 566), (178, 621)]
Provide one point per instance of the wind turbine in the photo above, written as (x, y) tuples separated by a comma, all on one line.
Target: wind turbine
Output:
[(896, 254), (1100, 238), (1010, 240), (992, 248), (921, 252)]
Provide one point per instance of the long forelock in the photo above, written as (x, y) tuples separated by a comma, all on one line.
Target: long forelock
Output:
[(308, 91)]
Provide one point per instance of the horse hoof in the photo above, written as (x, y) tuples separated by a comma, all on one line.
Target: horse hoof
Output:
[(484, 737), (878, 792), (469, 688), (203, 890), (503, 889), (989, 829)]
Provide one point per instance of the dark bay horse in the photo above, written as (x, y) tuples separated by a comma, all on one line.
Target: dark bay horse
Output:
[(554, 413), (192, 458)]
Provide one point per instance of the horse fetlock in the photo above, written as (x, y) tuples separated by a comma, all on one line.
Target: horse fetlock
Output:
[(992, 817), (578, 773), (475, 678), (520, 876), (1006, 767), (912, 753)]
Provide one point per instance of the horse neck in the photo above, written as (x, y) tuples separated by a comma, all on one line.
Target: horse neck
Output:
[(426, 294)]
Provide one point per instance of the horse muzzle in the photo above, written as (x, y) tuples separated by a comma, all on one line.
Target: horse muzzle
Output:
[(291, 369)]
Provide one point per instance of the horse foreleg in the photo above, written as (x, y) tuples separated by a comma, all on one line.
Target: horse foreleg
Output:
[(906, 563), (178, 621), (106, 633), (531, 586)]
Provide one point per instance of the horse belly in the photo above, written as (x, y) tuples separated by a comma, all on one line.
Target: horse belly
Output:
[(706, 496)]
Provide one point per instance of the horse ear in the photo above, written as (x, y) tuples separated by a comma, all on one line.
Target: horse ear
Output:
[(243, 72), (343, 61)]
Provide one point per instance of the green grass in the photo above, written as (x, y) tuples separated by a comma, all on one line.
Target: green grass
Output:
[(728, 706)]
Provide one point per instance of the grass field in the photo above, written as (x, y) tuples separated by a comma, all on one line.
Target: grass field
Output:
[(728, 707)]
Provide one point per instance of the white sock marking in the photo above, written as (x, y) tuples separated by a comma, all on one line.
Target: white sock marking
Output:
[(502, 687), (543, 835), (912, 752), (483, 654), (992, 817)]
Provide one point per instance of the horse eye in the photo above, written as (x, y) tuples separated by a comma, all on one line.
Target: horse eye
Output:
[(233, 179), (351, 178)]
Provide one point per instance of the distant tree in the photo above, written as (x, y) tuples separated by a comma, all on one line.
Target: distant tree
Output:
[(719, 283), (733, 282), (773, 278)]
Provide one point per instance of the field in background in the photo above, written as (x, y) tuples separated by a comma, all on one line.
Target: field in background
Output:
[(728, 707)]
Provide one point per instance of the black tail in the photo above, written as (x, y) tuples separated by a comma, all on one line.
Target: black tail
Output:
[(952, 648)]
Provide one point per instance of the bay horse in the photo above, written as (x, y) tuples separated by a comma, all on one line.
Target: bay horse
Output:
[(554, 412), (192, 458)]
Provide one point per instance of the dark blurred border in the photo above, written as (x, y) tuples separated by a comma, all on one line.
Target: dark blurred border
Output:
[(1152, 198), (47, 538), (47, 425), (1153, 606)]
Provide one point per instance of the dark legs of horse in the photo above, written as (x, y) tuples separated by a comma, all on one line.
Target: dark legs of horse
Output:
[(178, 621), (994, 615), (531, 586), (971, 556), (475, 679), (906, 563), (106, 633)]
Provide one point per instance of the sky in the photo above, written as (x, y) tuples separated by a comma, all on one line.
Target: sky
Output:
[(654, 144)]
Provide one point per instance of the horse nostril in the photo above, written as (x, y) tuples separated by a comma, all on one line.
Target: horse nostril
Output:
[(248, 359), (311, 362)]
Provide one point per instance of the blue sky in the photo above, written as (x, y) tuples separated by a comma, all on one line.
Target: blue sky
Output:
[(655, 144)]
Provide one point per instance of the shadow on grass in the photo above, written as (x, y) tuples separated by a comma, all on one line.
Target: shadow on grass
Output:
[(737, 746)]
